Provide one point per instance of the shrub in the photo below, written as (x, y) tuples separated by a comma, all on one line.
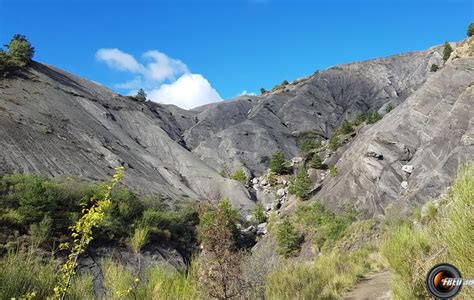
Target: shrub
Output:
[(332, 170), (401, 244), (239, 175), (447, 51), (119, 280), (277, 163), (141, 95), (259, 213), (322, 225), (262, 91), (434, 68), (139, 238), (316, 162), (334, 142), (373, 117), (33, 197), (300, 185), (359, 119), (470, 30), (26, 272), (220, 274), (271, 178), (285, 82), (288, 239), (223, 173), (40, 232), (307, 145), (388, 108), (167, 284), (328, 277), (346, 127)]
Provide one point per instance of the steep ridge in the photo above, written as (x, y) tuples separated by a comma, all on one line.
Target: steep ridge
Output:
[(246, 130), (422, 142), (55, 123)]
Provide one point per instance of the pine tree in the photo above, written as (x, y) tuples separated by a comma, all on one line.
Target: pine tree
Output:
[(277, 163), (20, 52), (141, 95), (470, 30), (288, 239), (301, 184), (447, 51)]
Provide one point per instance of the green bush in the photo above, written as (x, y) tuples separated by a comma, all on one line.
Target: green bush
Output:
[(288, 239), (300, 185), (470, 30), (25, 272), (346, 127), (262, 91), (373, 117), (328, 277), (434, 68), (447, 51), (278, 163), (259, 214), (332, 170), (322, 225), (316, 162), (359, 119), (334, 142), (307, 145), (207, 220), (388, 108), (223, 174), (239, 175), (271, 178)]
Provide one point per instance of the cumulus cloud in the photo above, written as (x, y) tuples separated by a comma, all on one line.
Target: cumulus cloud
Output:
[(165, 79), (189, 91)]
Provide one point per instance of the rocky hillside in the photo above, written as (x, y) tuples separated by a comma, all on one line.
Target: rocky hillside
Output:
[(57, 124)]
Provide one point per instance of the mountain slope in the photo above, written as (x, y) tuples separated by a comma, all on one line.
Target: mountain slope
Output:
[(54, 123), (248, 129), (432, 133)]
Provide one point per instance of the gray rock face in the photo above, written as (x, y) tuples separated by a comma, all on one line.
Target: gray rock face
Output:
[(54, 123), (247, 130), (423, 141)]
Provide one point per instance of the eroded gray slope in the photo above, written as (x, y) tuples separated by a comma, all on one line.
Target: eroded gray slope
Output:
[(55, 123), (247, 130), (432, 131)]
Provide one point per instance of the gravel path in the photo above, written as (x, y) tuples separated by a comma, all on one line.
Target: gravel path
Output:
[(375, 286)]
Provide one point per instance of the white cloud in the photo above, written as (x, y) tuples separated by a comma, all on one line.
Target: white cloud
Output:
[(188, 91), (164, 67), (116, 59), (245, 93)]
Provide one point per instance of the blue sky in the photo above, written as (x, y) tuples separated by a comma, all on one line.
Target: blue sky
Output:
[(222, 48)]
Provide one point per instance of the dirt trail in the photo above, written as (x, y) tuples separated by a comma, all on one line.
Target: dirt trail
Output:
[(373, 287)]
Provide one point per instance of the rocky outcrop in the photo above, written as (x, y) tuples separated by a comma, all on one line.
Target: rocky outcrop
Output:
[(423, 142)]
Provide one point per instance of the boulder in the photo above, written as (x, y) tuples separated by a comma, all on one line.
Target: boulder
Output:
[(408, 168)]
